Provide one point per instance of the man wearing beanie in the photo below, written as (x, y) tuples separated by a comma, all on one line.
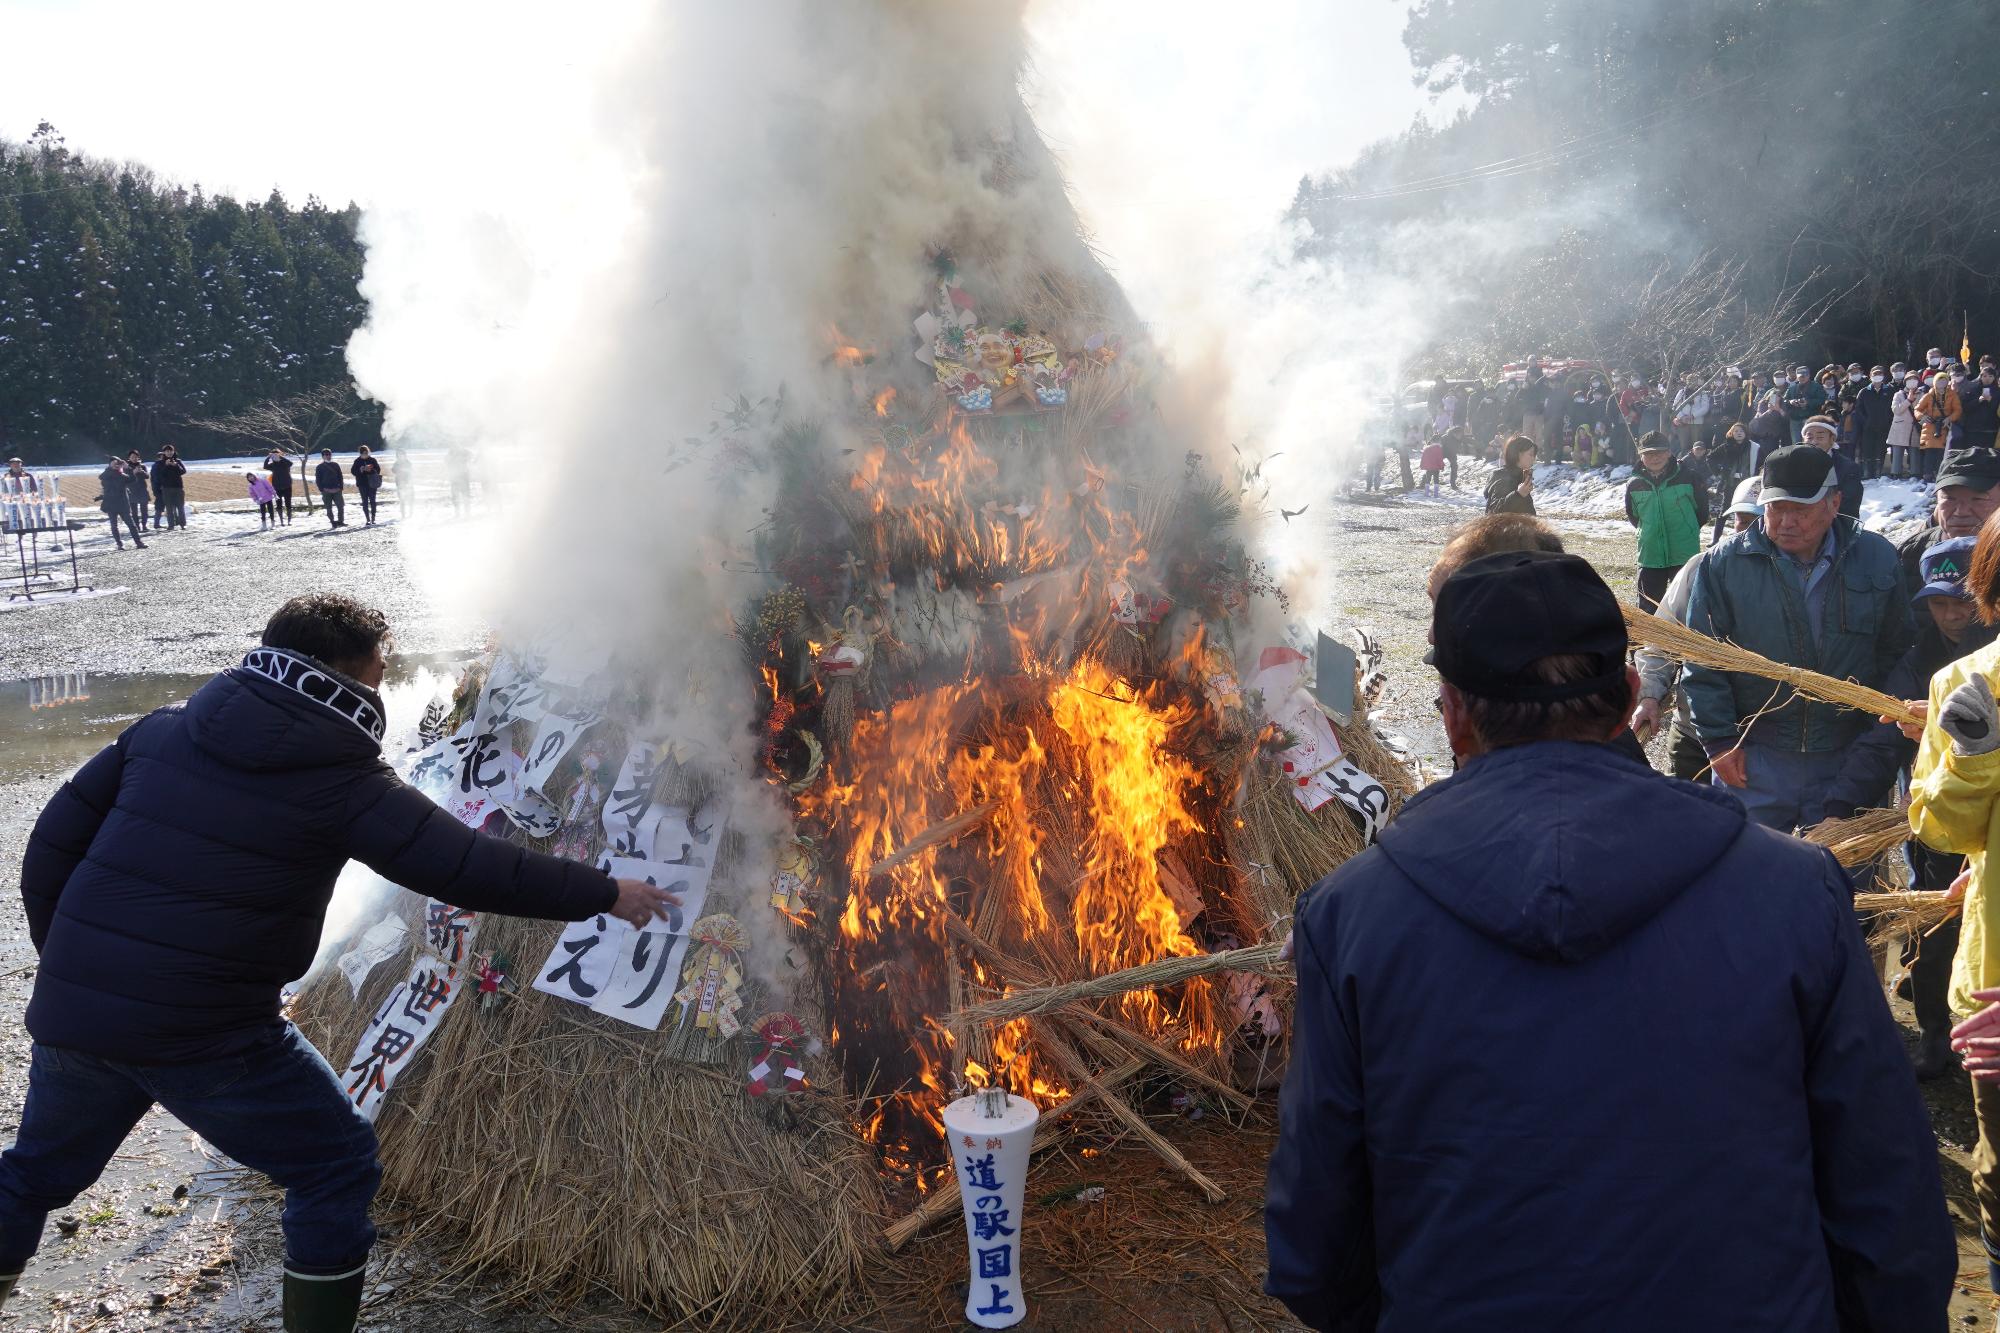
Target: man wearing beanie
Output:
[(1542, 1077)]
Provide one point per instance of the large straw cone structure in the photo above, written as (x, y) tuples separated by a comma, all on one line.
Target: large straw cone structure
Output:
[(563, 1149)]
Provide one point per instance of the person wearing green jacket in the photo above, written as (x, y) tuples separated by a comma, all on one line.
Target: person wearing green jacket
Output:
[(1668, 504)]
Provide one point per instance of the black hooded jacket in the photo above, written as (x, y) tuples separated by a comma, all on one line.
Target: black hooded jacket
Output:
[(1577, 1046), (180, 879)]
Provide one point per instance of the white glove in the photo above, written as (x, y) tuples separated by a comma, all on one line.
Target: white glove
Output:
[(1971, 719)]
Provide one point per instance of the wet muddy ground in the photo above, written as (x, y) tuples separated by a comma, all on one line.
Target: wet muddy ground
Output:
[(172, 1238)]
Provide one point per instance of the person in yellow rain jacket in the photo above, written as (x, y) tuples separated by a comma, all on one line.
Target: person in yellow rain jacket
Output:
[(1955, 807)]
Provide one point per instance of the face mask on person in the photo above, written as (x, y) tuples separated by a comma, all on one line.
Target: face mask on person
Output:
[(1937, 360), (1877, 379), (1854, 377)]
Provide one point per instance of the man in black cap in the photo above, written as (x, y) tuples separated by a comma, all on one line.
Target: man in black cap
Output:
[(1544, 1076), (1807, 590), (1968, 491)]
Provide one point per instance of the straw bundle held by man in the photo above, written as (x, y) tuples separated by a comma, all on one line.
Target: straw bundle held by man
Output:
[(1685, 645), (1867, 836)]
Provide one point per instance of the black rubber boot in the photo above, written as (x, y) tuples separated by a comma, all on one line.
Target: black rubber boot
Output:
[(323, 1304)]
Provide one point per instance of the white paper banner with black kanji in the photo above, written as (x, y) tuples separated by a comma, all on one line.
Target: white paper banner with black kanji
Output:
[(630, 817), (554, 737), (399, 1028), (449, 932), (471, 774), (631, 975), (1313, 764), (579, 967), (512, 694)]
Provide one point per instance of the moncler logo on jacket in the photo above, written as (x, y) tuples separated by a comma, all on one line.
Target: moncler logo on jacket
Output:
[(322, 685)]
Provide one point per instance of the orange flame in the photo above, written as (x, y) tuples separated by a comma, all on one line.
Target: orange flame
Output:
[(1082, 777)]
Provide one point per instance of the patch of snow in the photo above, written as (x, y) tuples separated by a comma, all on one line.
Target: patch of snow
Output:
[(1895, 508)]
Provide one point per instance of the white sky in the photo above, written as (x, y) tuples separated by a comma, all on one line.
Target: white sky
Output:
[(1167, 111)]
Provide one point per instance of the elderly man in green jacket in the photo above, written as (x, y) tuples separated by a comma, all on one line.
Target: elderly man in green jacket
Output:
[(1807, 590), (1668, 504)]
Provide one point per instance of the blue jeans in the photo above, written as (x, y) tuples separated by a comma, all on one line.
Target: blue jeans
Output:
[(279, 1109), (1787, 789)]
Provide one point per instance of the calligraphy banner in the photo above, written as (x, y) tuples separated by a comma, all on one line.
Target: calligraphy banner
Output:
[(607, 966), (579, 967), (641, 985), (554, 737), (401, 1026), (1313, 764), (688, 883), (631, 819), (471, 774), (512, 694), (449, 932)]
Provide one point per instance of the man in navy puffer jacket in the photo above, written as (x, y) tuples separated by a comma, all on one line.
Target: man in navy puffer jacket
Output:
[(1579, 1046), (181, 878)]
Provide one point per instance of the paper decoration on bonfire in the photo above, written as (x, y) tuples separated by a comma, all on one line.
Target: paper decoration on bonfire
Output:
[(1312, 762), (715, 976), (776, 1068), (378, 943), (982, 368), (795, 881), (411, 1012), (611, 968)]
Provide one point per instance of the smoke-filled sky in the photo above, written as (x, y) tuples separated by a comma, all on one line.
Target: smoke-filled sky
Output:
[(1175, 118), (508, 154)]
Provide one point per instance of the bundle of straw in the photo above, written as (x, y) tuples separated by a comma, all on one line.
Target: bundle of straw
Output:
[(1685, 645), (1147, 976), (1915, 912), (1868, 836)]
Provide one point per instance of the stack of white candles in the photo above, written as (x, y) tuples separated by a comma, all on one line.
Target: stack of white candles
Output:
[(25, 507)]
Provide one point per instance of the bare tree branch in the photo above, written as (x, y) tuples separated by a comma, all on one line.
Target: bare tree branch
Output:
[(296, 425)]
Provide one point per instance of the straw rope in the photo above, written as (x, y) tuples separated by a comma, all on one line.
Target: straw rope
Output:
[(1690, 646), (1262, 958)]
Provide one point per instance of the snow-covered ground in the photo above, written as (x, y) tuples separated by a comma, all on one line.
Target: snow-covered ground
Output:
[(1563, 490)]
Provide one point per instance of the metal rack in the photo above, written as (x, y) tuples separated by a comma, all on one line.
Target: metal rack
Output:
[(24, 547)]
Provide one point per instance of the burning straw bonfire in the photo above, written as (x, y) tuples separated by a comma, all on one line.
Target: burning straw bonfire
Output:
[(1025, 715), (997, 666)]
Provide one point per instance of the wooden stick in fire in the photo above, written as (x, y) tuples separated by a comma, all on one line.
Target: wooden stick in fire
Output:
[(942, 831), (1669, 639), (1262, 958), (1027, 978), (1073, 1068)]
